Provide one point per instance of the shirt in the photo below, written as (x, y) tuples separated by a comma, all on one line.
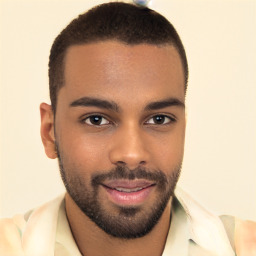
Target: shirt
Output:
[(45, 231), (179, 239)]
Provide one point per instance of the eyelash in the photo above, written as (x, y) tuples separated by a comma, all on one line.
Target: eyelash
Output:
[(94, 116), (171, 119)]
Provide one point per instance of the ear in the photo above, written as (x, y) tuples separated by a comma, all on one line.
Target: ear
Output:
[(47, 130)]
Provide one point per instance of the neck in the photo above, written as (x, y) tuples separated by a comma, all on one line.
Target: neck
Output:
[(93, 241)]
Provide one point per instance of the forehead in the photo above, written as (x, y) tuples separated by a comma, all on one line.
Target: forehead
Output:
[(112, 68)]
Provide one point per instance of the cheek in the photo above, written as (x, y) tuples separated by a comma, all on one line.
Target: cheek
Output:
[(88, 152), (169, 153)]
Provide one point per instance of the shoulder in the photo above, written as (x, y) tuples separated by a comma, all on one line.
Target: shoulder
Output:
[(10, 235), (241, 234), (22, 233), (245, 237), (218, 233)]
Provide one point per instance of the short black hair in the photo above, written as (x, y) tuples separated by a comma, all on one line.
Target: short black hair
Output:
[(124, 22)]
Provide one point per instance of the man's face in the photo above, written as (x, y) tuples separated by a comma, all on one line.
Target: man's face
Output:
[(119, 131)]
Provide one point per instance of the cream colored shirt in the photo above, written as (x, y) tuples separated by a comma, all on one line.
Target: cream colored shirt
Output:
[(178, 243), (45, 231)]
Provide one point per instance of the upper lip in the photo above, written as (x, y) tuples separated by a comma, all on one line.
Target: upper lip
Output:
[(128, 184)]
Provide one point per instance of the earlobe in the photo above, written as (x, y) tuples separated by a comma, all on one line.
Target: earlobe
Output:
[(47, 130)]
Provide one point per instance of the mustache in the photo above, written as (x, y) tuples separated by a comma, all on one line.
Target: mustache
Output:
[(122, 172)]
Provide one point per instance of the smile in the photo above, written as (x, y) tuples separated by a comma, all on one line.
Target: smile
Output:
[(128, 192)]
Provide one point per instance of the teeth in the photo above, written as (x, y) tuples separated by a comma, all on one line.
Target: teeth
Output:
[(128, 190)]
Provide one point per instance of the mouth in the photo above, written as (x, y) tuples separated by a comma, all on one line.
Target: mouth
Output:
[(128, 192)]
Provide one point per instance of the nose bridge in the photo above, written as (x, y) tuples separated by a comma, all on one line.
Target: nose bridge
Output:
[(128, 146)]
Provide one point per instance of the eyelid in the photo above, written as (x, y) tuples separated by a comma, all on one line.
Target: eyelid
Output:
[(106, 122), (83, 118), (169, 116)]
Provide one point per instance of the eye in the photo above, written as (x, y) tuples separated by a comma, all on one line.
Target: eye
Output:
[(96, 120), (160, 119)]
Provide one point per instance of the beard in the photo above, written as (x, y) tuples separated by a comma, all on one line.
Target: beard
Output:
[(126, 222)]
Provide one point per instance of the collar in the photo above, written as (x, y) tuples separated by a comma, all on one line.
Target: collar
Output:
[(190, 222), (205, 229), (177, 242), (64, 242)]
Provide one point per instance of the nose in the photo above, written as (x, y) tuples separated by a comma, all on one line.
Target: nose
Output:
[(129, 147)]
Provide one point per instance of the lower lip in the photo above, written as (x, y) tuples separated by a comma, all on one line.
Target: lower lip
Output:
[(124, 198)]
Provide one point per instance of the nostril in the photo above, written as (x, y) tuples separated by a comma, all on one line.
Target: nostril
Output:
[(121, 163)]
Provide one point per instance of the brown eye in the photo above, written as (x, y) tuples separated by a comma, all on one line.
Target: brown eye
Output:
[(160, 119), (96, 120)]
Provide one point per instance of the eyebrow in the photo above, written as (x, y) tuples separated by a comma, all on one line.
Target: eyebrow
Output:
[(169, 102), (94, 102), (111, 105)]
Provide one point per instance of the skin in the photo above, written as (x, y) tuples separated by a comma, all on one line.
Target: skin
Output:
[(133, 77)]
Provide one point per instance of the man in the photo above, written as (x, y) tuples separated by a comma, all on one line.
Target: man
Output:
[(118, 78)]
